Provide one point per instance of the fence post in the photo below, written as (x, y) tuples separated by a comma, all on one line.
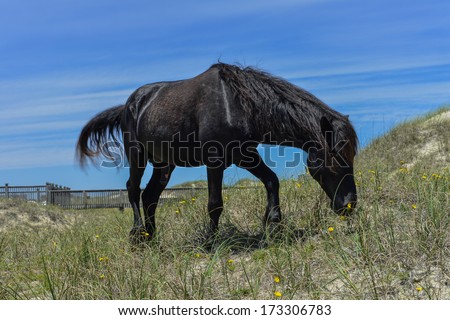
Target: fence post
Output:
[(122, 204), (6, 191), (85, 199), (67, 197), (38, 195), (47, 191)]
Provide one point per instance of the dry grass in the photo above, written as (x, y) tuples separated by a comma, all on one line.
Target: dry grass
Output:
[(395, 247)]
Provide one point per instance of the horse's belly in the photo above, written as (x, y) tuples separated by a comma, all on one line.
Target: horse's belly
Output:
[(180, 150)]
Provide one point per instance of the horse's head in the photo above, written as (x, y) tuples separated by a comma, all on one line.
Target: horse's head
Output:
[(330, 162)]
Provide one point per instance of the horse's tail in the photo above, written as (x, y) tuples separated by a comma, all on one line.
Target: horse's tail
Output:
[(98, 133)]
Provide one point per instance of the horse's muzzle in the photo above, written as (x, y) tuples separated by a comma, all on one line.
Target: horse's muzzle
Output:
[(347, 205)]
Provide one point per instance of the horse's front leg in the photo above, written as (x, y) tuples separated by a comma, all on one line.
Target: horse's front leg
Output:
[(150, 197)]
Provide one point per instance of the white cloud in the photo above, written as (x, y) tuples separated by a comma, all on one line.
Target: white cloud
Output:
[(81, 17), (417, 92), (36, 156), (320, 66), (30, 108), (40, 127)]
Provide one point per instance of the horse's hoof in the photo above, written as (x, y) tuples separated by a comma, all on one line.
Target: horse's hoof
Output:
[(274, 230), (208, 239), (140, 236)]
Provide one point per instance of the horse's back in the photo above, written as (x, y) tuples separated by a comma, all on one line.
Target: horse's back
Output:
[(183, 107), (185, 113)]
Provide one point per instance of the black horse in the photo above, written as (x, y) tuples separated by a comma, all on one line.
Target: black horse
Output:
[(217, 119)]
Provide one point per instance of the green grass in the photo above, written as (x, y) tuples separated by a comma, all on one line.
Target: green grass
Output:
[(396, 246)]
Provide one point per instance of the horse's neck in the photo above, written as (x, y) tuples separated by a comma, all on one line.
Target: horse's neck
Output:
[(274, 131)]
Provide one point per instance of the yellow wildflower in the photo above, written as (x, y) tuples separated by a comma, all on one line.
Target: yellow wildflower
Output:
[(178, 211), (276, 279), (102, 276), (424, 177), (198, 255), (298, 185), (103, 259), (231, 265), (182, 201), (193, 199), (145, 234), (419, 288), (372, 171), (330, 229), (342, 218), (278, 294), (97, 236), (414, 206)]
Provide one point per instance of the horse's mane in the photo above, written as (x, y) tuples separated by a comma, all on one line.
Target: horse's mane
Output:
[(275, 105)]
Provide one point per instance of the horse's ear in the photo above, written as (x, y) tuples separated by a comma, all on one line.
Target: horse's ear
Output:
[(327, 132)]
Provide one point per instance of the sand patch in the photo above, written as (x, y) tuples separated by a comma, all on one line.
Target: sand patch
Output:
[(14, 213)]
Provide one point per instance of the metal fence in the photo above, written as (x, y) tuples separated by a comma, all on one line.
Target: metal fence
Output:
[(111, 198), (85, 199), (37, 193)]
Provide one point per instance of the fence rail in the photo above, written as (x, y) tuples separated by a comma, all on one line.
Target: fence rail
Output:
[(85, 199), (111, 198), (30, 193)]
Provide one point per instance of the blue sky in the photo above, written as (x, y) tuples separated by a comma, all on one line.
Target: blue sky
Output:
[(61, 62)]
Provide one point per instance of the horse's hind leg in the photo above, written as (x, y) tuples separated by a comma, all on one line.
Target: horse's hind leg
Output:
[(259, 169), (137, 165), (150, 196), (134, 192)]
